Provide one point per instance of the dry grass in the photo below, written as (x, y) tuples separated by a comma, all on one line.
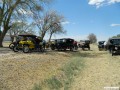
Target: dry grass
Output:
[(101, 70), (6, 43), (20, 71)]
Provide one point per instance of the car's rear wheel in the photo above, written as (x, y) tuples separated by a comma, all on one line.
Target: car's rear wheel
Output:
[(71, 48), (26, 49), (15, 48)]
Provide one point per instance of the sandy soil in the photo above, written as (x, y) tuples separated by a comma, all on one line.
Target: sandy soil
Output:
[(101, 70)]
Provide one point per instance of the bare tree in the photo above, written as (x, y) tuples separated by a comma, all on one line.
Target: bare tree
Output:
[(50, 23), (92, 37), (10, 9), (20, 28), (57, 28)]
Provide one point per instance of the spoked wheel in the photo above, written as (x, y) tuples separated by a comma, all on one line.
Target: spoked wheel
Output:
[(71, 48), (112, 52), (53, 48), (41, 49), (83, 48), (11, 46), (89, 48), (15, 48), (26, 49)]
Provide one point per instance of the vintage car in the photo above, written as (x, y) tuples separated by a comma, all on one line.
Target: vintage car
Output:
[(101, 45), (62, 44), (16, 40), (28, 43), (84, 44), (113, 46)]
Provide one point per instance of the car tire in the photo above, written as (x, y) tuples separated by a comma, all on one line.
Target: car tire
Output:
[(11, 46), (88, 48), (26, 49), (71, 49), (52, 48), (112, 52), (15, 48)]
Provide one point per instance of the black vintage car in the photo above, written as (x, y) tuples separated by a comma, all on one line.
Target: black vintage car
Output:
[(101, 45), (62, 44), (113, 46), (84, 44)]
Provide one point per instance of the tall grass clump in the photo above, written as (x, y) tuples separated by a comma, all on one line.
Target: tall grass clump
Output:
[(66, 76), (71, 69)]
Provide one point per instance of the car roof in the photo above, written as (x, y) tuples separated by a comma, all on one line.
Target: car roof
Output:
[(101, 41), (27, 35), (84, 40), (63, 39), (114, 38)]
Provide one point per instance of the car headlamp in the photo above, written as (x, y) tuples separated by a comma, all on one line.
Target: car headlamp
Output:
[(116, 48)]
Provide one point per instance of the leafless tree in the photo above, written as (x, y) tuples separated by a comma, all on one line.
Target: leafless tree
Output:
[(10, 9), (50, 23), (92, 37)]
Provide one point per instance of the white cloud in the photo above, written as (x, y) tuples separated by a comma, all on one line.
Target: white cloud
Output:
[(114, 25), (99, 3), (66, 22), (113, 1)]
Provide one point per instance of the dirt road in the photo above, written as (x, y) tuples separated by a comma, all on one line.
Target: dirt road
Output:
[(101, 70)]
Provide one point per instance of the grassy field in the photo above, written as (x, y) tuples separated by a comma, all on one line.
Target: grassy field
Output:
[(53, 70)]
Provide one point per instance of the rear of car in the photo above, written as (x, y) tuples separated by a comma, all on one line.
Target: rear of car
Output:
[(115, 46)]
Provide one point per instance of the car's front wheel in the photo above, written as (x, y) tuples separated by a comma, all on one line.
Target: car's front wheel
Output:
[(11, 46), (15, 48), (26, 49)]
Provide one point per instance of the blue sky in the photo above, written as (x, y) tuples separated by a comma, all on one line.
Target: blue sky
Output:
[(101, 17)]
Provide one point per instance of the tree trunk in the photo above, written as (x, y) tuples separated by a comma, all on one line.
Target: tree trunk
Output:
[(1, 40), (50, 36), (3, 35)]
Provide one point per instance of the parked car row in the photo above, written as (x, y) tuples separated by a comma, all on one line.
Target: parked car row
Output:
[(29, 43), (112, 45)]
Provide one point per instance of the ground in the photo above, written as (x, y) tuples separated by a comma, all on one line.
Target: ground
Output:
[(19, 71), (101, 70)]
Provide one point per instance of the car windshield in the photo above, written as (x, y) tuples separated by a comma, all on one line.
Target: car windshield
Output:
[(101, 42), (116, 41)]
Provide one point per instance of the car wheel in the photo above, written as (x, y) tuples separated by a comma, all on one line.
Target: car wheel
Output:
[(53, 48), (83, 48), (88, 48), (71, 49), (26, 49), (112, 52), (64, 49), (15, 49), (11, 46)]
